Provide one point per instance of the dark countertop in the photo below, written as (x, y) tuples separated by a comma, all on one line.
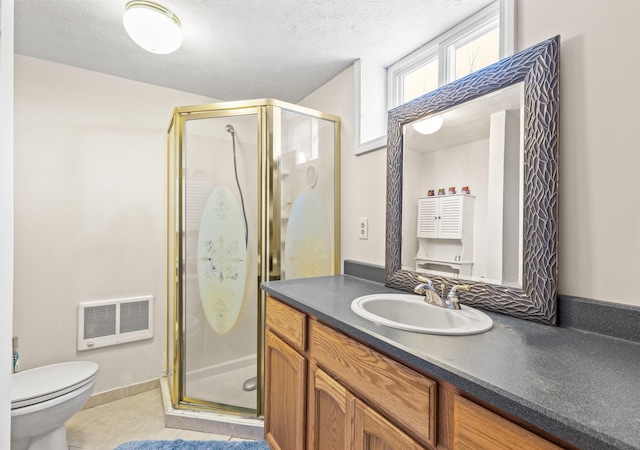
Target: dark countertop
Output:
[(581, 387)]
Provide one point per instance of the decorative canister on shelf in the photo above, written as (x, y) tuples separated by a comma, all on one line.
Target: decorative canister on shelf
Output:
[(465, 190), (452, 190), (441, 191)]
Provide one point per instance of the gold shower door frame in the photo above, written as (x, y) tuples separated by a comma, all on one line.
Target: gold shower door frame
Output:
[(268, 113)]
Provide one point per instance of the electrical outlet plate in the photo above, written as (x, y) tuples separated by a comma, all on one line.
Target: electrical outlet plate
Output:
[(363, 228)]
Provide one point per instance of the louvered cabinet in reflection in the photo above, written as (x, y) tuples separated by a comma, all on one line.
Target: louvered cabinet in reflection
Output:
[(446, 217), (445, 234)]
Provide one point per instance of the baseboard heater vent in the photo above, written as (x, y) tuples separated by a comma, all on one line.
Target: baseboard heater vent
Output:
[(112, 322)]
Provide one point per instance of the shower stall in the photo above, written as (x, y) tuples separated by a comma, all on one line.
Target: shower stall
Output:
[(253, 195)]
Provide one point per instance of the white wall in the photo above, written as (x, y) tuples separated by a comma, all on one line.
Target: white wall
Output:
[(599, 223), (363, 178), (6, 215), (90, 220), (599, 254)]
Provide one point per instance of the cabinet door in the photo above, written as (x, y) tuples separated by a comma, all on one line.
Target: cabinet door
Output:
[(450, 218), (330, 412), (374, 432), (428, 218), (285, 389)]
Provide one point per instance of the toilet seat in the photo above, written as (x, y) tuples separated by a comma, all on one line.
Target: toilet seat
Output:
[(45, 383)]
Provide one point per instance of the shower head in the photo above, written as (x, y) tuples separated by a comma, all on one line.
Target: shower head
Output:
[(230, 129)]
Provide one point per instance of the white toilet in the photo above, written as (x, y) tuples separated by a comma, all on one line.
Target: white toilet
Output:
[(44, 398)]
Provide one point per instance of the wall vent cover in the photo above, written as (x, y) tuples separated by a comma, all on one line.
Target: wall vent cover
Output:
[(111, 322)]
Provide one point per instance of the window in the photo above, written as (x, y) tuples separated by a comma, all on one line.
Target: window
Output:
[(421, 80), (476, 42), (478, 49), (480, 40)]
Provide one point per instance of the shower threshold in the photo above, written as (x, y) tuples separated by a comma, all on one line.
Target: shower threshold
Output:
[(209, 421)]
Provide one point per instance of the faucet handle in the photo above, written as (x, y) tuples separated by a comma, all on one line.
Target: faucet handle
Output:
[(454, 289), (425, 280), (422, 279)]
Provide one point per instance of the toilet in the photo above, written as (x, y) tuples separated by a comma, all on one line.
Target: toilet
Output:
[(44, 398)]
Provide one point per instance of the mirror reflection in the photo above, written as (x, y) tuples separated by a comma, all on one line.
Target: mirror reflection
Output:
[(462, 198), (522, 186)]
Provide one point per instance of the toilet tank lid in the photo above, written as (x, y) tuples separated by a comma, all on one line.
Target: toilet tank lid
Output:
[(45, 380)]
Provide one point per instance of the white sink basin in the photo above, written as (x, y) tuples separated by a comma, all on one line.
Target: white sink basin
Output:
[(412, 313)]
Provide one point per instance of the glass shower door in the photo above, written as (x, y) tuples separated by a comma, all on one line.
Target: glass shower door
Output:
[(220, 254)]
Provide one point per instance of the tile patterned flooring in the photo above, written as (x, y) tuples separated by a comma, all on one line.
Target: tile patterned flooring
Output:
[(134, 418)]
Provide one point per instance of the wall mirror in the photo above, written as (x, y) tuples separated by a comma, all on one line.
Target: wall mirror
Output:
[(497, 139)]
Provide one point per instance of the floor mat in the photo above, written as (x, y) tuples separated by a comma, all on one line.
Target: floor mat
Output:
[(179, 444)]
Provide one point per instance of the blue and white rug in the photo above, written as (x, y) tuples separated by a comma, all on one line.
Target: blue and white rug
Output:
[(179, 444)]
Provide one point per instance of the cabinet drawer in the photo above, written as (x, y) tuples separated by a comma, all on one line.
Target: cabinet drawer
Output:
[(476, 428), (288, 323), (403, 395)]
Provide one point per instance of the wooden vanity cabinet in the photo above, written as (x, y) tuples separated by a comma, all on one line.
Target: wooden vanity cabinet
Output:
[(285, 377), (396, 393), (337, 420), (326, 391), (330, 412)]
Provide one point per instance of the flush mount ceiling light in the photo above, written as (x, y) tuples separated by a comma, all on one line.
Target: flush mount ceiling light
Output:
[(429, 125), (153, 27)]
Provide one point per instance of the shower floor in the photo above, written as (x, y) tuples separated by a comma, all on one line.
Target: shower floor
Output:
[(224, 387)]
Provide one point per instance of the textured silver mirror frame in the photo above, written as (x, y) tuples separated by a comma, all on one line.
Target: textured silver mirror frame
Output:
[(538, 68)]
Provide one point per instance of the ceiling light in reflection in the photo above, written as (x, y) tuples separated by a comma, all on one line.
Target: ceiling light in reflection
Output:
[(429, 125)]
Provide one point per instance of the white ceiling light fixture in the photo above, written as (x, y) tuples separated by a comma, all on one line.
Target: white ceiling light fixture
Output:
[(429, 125), (152, 26)]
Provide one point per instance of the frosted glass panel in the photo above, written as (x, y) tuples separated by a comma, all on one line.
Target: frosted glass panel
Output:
[(220, 164), (307, 193)]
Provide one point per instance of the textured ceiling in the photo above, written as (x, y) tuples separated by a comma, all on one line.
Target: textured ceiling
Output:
[(238, 49)]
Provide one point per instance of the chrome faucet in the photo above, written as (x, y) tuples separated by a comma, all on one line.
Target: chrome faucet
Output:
[(452, 298), (430, 295), (427, 289)]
